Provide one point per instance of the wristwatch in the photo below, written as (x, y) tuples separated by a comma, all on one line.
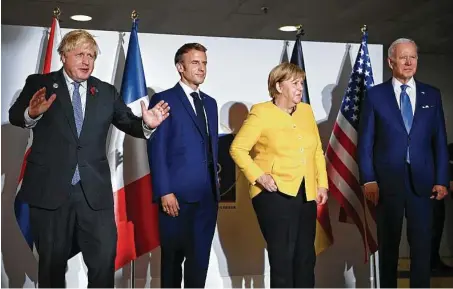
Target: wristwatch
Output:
[(147, 126)]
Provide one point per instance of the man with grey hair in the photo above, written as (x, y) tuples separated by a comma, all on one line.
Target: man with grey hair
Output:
[(403, 162)]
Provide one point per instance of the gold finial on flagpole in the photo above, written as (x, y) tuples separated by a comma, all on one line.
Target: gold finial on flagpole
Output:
[(364, 29), (300, 30), (56, 12), (134, 15)]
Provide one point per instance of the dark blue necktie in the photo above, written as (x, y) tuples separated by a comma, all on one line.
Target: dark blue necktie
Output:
[(78, 117), (406, 112), (199, 109)]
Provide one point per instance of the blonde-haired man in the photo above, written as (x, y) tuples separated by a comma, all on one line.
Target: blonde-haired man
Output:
[(67, 179)]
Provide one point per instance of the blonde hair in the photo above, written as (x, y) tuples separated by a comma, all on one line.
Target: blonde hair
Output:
[(283, 72), (76, 38)]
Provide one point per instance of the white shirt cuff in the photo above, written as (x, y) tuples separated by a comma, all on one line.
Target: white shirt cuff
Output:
[(147, 132), (30, 122), (373, 182)]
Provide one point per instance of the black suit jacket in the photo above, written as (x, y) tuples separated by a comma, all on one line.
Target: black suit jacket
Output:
[(57, 149)]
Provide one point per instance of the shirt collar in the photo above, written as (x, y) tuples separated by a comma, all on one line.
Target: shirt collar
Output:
[(187, 89), (70, 81), (397, 84)]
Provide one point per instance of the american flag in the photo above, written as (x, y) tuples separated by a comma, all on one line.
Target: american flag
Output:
[(341, 154)]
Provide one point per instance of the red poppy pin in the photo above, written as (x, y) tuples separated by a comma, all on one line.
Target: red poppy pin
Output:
[(93, 91)]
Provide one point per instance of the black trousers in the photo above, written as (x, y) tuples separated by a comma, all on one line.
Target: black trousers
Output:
[(94, 232), (390, 212), (438, 227), (288, 225)]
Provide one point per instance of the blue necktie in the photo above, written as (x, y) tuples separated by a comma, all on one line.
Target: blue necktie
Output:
[(406, 112), (199, 109), (78, 116)]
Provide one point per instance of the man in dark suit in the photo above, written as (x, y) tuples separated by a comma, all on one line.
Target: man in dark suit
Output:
[(67, 178), (182, 156), (403, 162)]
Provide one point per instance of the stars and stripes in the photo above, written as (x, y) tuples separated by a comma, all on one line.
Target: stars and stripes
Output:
[(341, 154)]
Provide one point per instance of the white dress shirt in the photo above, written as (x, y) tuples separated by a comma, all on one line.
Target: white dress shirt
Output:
[(188, 90), (411, 91), (31, 123)]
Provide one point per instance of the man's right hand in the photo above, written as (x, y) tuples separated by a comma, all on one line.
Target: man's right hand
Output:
[(267, 182), (371, 191), (170, 205), (39, 104)]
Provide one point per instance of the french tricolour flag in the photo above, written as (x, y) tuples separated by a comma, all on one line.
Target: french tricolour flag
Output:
[(135, 214)]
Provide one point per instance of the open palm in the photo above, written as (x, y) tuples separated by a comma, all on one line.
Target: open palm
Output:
[(155, 116)]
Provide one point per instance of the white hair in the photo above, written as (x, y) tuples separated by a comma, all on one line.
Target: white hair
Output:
[(391, 50)]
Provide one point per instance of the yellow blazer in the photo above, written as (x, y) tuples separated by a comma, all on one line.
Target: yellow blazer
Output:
[(286, 146)]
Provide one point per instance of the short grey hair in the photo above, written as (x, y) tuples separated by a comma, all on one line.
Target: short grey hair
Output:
[(391, 50)]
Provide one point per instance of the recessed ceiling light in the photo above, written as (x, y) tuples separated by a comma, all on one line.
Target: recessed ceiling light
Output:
[(289, 28), (81, 17)]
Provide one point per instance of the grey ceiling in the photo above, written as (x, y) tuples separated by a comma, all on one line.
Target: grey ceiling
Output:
[(429, 23)]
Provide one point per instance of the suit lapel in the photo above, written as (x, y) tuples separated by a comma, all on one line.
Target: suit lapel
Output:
[(395, 112), (419, 102), (62, 92), (90, 106), (185, 102)]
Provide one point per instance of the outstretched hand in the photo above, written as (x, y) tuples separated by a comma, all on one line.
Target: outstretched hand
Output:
[(39, 104), (155, 116)]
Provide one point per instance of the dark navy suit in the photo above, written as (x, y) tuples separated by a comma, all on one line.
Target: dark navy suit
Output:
[(404, 188), (182, 159)]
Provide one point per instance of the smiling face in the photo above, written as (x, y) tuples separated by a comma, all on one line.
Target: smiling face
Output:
[(192, 68), (79, 62)]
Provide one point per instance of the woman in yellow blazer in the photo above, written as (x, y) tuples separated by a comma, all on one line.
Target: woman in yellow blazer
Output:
[(279, 151)]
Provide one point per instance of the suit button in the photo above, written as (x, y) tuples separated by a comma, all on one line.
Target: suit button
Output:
[(302, 150), (79, 148), (202, 141), (294, 126)]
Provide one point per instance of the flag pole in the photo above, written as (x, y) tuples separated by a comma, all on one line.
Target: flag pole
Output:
[(300, 31), (374, 273), (376, 266), (56, 13), (134, 17)]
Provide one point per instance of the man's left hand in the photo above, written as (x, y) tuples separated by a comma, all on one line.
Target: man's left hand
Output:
[(155, 116), (441, 192)]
